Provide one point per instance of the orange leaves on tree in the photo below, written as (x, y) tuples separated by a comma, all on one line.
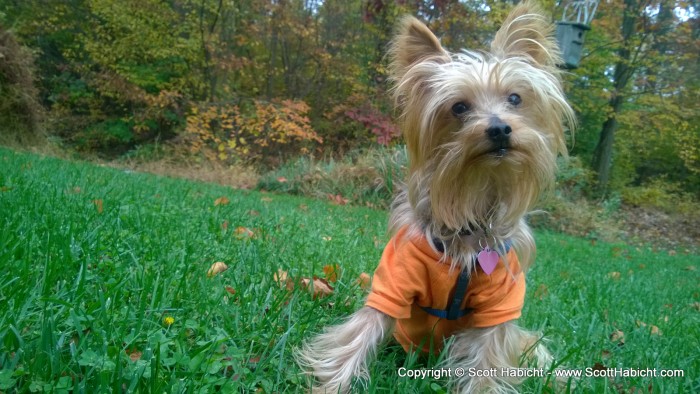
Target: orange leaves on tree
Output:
[(252, 133)]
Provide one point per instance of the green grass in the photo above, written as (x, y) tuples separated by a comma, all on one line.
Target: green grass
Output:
[(84, 293)]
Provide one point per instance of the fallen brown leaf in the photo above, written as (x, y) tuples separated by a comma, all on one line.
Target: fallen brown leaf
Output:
[(216, 269), (618, 337), (364, 281), (98, 205), (652, 328), (230, 290), (280, 276), (317, 286), (338, 199), (221, 201), (331, 272), (243, 233), (135, 355), (283, 279), (542, 291), (614, 275)]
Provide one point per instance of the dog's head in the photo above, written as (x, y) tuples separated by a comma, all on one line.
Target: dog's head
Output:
[(482, 129)]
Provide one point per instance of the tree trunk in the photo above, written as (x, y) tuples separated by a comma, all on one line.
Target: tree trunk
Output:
[(602, 156), (624, 68)]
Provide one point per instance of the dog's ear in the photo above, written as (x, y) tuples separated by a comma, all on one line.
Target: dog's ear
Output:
[(526, 32), (413, 43)]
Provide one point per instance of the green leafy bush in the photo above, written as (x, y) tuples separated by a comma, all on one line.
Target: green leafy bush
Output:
[(662, 194)]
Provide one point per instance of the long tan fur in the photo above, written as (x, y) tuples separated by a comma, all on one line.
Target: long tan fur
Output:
[(458, 192), (341, 352)]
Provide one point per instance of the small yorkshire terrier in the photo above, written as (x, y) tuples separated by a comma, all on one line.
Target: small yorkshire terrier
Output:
[(483, 131)]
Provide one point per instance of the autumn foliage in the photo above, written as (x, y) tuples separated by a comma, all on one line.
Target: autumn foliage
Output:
[(265, 132), (262, 81)]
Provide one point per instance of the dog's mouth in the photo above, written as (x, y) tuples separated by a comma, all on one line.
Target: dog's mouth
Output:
[(498, 152)]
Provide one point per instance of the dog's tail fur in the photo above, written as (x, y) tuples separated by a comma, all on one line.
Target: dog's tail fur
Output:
[(341, 352)]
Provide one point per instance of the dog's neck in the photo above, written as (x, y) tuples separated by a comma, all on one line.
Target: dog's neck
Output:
[(460, 246)]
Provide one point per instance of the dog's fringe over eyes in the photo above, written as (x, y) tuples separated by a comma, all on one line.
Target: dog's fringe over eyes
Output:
[(482, 130)]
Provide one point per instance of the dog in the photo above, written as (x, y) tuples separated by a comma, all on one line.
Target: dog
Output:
[(483, 131)]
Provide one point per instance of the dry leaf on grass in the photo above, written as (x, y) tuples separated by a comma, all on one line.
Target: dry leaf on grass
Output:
[(331, 272), (283, 280), (243, 233), (542, 291), (337, 199), (652, 328), (614, 275), (618, 337), (216, 269), (221, 201), (134, 355), (230, 290), (364, 281), (317, 286), (98, 205)]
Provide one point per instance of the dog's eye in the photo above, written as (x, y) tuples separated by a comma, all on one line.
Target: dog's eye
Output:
[(514, 99), (460, 108)]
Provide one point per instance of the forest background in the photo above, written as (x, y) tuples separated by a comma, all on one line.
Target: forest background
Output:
[(291, 95)]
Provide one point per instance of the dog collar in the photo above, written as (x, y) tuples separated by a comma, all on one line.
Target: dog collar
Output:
[(453, 312)]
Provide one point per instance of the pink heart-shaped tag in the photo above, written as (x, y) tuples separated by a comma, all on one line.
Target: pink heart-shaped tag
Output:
[(487, 260)]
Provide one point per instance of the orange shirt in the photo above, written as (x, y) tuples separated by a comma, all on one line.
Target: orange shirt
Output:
[(410, 275)]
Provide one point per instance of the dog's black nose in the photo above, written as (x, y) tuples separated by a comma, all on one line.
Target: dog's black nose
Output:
[(499, 132)]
